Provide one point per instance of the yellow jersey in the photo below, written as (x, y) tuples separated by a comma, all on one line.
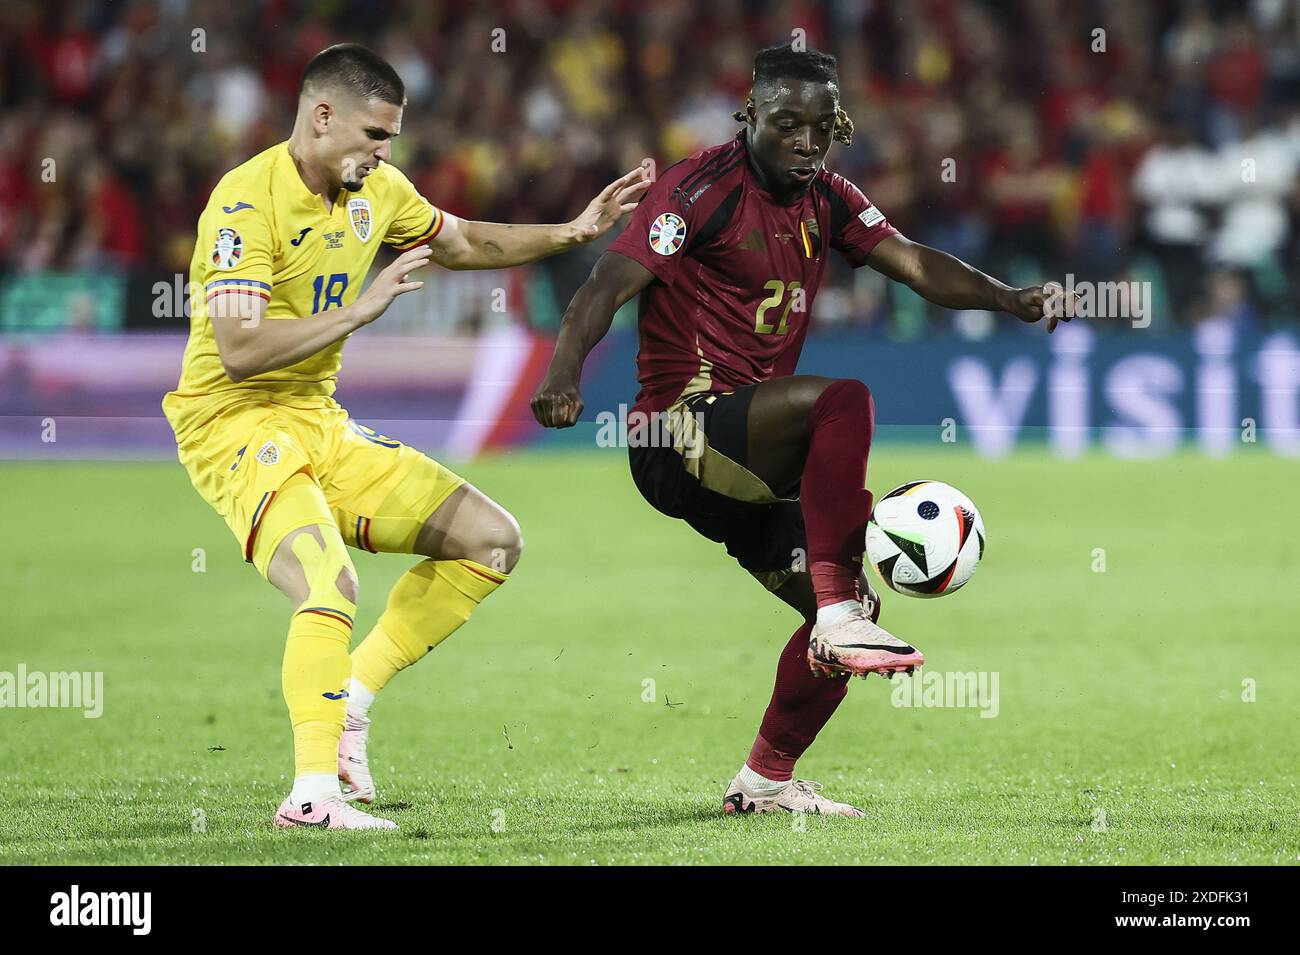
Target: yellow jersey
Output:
[(263, 231)]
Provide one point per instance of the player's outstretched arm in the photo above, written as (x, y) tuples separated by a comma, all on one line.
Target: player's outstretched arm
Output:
[(613, 281), (951, 283), (466, 244), (252, 344)]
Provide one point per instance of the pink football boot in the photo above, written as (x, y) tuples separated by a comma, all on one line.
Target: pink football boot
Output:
[(855, 646)]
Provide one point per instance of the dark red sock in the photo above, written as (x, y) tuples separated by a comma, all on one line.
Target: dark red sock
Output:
[(833, 494), (801, 705)]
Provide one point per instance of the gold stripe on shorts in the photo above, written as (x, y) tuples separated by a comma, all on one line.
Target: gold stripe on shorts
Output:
[(713, 469)]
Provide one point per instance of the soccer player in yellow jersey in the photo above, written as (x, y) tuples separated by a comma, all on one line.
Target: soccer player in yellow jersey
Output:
[(283, 247)]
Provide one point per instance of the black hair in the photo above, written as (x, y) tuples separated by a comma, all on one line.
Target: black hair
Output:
[(357, 70), (786, 63)]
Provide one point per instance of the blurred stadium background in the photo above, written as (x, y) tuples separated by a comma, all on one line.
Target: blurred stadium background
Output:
[(1154, 142)]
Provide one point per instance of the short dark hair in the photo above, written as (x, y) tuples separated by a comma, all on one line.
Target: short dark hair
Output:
[(787, 63), (356, 69)]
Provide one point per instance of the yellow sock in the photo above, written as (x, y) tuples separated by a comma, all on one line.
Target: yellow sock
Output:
[(317, 667), (428, 603)]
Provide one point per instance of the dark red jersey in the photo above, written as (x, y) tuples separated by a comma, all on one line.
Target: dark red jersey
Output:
[(735, 272)]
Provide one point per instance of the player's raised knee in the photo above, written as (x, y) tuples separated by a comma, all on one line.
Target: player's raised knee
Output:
[(846, 397), (851, 392), (809, 394), (498, 543), (802, 392), (471, 526)]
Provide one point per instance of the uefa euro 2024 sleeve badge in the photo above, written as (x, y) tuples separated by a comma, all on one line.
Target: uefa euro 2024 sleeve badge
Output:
[(359, 216), (667, 233), (229, 248)]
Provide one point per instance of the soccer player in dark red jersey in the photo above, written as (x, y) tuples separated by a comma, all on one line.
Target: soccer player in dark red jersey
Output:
[(727, 251)]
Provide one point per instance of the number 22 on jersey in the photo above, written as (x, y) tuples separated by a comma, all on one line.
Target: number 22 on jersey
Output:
[(778, 289)]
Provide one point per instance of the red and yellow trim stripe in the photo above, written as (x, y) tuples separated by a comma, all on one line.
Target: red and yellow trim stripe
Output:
[(362, 534), (330, 612), (481, 571), (258, 514), (807, 243), (247, 286), (435, 226)]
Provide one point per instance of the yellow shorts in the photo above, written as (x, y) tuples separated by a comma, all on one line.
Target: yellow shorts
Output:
[(379, 491)]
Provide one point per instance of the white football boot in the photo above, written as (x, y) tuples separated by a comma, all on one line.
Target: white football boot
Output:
[(800, 795), (328, 813), (354, 766), (855, 646)]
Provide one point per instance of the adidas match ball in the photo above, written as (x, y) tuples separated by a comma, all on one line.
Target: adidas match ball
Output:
[(925, 539)]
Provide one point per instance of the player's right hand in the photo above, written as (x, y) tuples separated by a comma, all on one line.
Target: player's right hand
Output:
[(392, 282), (557, 404), (1052, 300)]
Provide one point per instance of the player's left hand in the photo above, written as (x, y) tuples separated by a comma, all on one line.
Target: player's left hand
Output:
[(1052, 299), (615, 201)]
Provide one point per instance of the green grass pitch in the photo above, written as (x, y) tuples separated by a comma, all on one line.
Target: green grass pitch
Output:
[(1122, 735)]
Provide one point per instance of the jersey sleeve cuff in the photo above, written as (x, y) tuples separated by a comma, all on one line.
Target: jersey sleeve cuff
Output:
[(251, 286), (863, 248), (435, 226)]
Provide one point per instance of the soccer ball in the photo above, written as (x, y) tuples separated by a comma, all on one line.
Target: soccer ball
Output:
[(925, 539)]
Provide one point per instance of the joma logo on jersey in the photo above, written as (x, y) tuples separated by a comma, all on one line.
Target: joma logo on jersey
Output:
[(359, 216)]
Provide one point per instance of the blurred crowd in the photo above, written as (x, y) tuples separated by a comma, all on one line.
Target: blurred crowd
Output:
[(1141, 139)]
